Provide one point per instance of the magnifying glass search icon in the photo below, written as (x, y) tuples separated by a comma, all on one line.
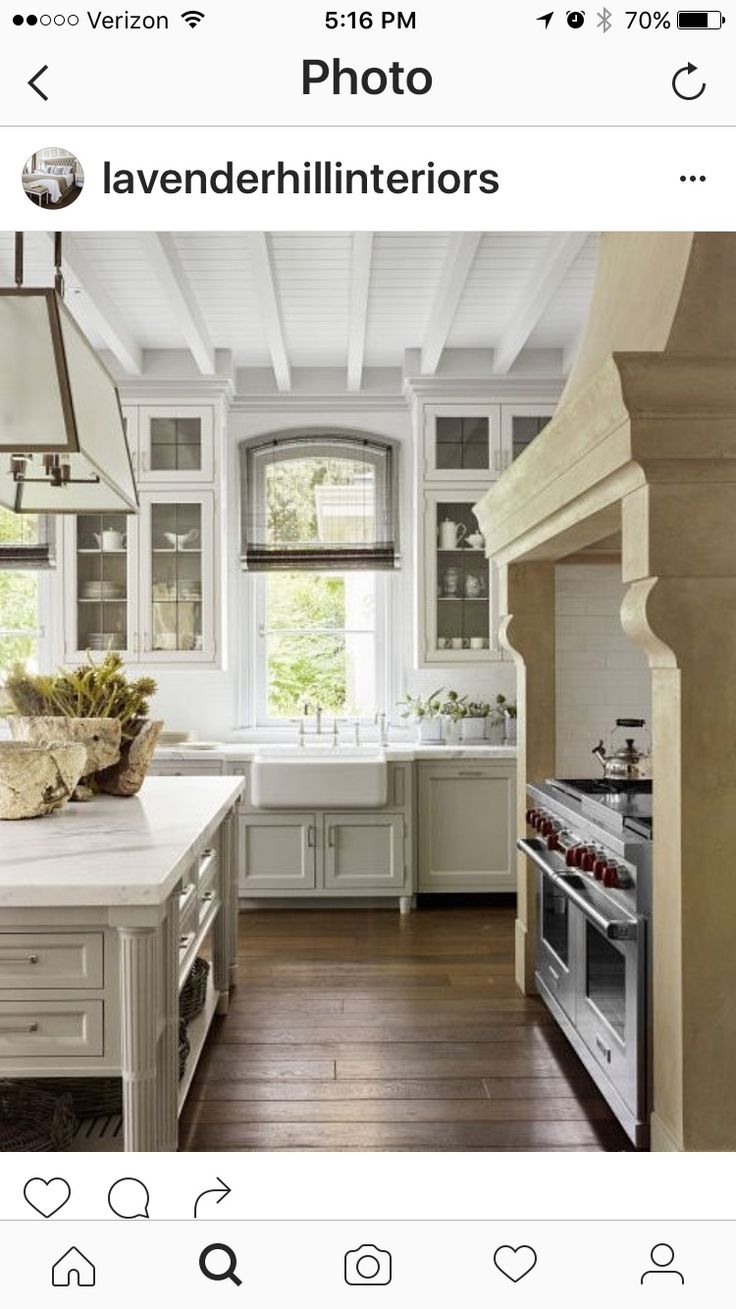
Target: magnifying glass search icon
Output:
[(219, 1273)]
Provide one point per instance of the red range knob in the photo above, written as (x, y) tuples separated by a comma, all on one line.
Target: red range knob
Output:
[(579, 854), (588, 861), (570, 856), (599, 869), (610, 877), (544, 826), (530, 814), (553, 841)]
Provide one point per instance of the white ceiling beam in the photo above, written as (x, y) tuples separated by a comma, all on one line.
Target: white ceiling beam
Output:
[(360, 281), (98, 309), (461, 252), (561, 253), (268, 300), (170, 273)]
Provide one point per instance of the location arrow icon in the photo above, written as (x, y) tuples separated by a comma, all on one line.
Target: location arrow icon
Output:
[(32, 82), (546, 19)]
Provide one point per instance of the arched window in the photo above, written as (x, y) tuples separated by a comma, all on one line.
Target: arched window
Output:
[(319, 500), (319, 539)]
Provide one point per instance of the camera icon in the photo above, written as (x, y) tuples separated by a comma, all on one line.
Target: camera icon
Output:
[(367, 1266)]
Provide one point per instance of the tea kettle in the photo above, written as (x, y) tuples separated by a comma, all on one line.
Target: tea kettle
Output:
[(627, 763)]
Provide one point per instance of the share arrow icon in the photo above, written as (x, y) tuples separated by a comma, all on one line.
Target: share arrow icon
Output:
[(546, 19)]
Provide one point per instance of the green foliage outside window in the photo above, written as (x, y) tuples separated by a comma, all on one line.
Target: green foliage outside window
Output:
[(18, 598), (304, 664)]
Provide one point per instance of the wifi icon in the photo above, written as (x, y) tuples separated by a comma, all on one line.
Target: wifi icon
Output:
[(193, 17)]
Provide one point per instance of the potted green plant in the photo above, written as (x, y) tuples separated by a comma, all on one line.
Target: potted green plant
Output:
[(97, 705), (496, 731), (427, 712), (510, 723), (471, 715)]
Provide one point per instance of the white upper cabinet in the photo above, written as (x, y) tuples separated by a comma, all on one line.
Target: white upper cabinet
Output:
[(462, 443), (520, 425), (177, 577), (101, 584), (176, 444)]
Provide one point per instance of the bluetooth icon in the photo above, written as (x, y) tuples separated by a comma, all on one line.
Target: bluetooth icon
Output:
[(604, 20)]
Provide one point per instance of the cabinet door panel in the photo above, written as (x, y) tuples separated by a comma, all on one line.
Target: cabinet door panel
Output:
[(277, 852), (178, 576), (364, 851), (466, 829), (176, 444)]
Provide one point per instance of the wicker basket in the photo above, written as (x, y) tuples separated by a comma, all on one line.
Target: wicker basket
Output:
[(184, 1048), (194, 991), (34, 1119), (91, 1097)]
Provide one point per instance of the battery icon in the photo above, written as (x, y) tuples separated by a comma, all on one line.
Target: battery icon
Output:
[(701, 20)]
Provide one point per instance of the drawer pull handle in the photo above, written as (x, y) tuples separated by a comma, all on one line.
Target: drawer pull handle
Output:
[(184, 941), (28, 959), (553, 974), (208, 895), (467, 773), (15, 1031)]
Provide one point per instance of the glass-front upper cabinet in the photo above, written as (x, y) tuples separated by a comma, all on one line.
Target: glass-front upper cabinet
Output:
[(178, 577), (176, 444), (462, 443), (520, 425), (458, 583), (100, 592)]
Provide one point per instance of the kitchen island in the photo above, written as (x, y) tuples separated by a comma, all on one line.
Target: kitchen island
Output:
[(104, 908)]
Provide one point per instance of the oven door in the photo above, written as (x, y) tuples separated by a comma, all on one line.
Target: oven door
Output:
[(555, 942), (610, 995)]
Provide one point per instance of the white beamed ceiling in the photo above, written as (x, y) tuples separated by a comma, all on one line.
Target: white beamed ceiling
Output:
[(311, 276)]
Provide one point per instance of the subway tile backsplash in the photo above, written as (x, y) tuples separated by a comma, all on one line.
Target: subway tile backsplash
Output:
[(601, 675)]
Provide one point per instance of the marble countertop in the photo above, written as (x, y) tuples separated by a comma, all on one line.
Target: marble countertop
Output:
[(112, 851), (398, 751)]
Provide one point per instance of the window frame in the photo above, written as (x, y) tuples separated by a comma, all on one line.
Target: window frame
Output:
[(258, 715)]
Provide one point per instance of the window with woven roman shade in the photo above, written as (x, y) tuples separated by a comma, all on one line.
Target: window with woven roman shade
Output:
[(321, 501)]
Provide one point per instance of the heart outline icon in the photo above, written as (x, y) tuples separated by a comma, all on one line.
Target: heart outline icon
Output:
[(512, 1258), (42, 1185)]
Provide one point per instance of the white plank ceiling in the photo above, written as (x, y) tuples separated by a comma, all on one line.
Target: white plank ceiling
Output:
[(342, 300)]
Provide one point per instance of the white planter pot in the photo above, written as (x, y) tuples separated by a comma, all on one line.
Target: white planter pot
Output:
[(496, 732), (510, 731), (429, 731), (472, 729)]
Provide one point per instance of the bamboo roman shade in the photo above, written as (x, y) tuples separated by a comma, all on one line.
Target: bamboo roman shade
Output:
[(25, 541), (318, 501)]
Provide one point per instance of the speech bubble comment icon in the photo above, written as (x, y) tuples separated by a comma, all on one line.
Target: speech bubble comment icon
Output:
[(129, 1198)]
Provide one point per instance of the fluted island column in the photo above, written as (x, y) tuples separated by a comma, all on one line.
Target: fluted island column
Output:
[(139, 992)]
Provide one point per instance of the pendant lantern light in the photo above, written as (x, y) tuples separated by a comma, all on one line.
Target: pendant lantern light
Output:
[(63, 448)]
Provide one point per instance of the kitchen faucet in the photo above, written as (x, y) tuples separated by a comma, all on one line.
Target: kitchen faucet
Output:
[(383, 727), (317, 718)]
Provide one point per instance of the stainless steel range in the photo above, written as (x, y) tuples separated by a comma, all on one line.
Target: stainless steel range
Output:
[(592, 848)]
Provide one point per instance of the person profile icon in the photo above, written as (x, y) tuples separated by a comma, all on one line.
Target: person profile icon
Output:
[(662, 1256)]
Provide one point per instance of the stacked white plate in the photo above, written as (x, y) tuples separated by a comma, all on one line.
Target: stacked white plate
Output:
[(102, 590), (106, 641)]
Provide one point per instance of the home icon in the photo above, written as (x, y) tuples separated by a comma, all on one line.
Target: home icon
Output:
[(73, 1267)]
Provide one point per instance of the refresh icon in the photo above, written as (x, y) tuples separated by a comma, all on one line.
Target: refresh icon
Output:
[(683, 95)]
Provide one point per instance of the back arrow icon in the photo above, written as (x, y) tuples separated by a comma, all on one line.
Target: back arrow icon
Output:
[(688, 68), (34, 79)]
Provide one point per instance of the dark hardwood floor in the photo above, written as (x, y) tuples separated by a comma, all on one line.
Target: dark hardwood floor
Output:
[(362, 1030)]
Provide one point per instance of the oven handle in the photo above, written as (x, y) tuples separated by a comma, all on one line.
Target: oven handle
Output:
[(615, 929)]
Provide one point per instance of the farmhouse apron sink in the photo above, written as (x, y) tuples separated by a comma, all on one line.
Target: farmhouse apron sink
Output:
[(304, 778)]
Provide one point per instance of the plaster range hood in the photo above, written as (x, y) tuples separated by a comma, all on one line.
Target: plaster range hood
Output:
[(63, 447), (644, 444)]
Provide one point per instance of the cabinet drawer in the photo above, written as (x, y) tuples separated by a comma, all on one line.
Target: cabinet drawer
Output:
[(50, 1028), (65, 960)]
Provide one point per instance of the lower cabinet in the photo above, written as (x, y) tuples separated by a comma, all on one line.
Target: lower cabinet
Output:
[(277, 852), (327, 853), (466, 827), (364, 851)]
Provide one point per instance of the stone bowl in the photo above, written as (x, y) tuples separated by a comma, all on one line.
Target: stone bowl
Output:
[(99, 736), (36, 779)]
